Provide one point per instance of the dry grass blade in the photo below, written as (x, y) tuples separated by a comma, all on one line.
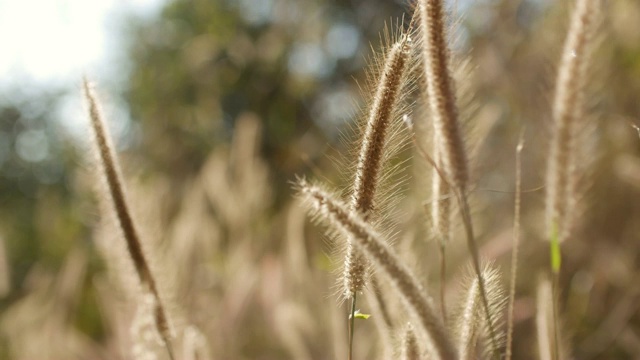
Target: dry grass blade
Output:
[(110, 169), (410, 290), (5, 279), (381, 317), (550, 346), (516, 246)]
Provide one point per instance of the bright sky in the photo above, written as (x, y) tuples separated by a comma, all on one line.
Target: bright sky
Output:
[(51, 44), (59, 40)]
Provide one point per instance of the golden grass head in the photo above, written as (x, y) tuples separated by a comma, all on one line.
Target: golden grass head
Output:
[(471, 324), (389, 92), (114, 194), (440, 92), (568, 109)]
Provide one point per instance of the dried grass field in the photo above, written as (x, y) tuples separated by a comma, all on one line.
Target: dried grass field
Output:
[(480, 201)]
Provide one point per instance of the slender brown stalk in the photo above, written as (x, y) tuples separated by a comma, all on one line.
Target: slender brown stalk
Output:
[(368, 241), (110, 169), (548, 346), (514, 249), (381, 317)]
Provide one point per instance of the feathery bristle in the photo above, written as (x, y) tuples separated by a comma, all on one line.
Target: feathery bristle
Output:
[(568, 108), (110, 169), (471, 323), (373, 142), (368, 241)]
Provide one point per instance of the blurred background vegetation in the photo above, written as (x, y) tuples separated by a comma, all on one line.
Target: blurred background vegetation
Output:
[(287, 71)]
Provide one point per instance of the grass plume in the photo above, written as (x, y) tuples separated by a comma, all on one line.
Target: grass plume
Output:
[(338, 216), (471, 325), (442, 105), (568, 109), (370, 164), (111, 172), (440, 92), (372, 153)]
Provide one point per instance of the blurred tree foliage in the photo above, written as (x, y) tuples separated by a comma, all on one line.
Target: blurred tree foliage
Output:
[(35, 192), (203, 63)]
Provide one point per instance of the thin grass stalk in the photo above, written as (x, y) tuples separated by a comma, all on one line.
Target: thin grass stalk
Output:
[(475, 257), (544, 317), (381, 317), (515, 248), (441, 220), (116, 193), (413, 294), (443, 281), (352, 324)]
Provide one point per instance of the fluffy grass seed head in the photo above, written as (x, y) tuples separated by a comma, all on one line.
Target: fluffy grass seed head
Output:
[(382, 113), (440, 92), (568, 109), (338, 216), (471, 324), (115, 195)]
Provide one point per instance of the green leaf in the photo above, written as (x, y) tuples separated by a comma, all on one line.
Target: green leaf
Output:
[(556, 257), (359, 315)]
